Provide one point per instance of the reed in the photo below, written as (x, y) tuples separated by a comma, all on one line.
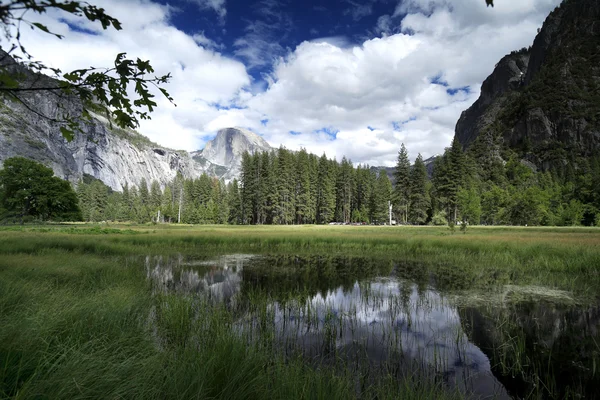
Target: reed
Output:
[(79, 318)]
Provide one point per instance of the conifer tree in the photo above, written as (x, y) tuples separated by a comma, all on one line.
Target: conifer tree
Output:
[(303, 188), (247, 189), (402, 188), (457, 175), (344, 185), (143, 214), (166, 205), (380, 198), (235, 203), (325, 190), (125, 209), (285, 182), (419, 196), (155, 199)]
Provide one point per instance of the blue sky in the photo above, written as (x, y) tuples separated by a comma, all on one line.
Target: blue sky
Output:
[(344, 77), (271, 28)]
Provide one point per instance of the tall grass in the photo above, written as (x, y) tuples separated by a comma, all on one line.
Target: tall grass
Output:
[(76, 322), (79, 319), (566, 259)]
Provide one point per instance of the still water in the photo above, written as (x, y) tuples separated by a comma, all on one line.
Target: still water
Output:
[(373, 316)]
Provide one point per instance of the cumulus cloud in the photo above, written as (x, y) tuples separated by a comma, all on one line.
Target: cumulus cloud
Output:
[(408, 85), (201, 76)]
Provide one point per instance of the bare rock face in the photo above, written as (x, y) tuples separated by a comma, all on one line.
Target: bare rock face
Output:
[(227, 147), (544, 102), (117, 157), (507, 77)]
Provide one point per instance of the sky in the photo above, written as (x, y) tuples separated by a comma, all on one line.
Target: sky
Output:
[(342, 77)]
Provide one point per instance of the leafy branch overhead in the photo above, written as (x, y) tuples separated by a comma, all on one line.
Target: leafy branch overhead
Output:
[(121, 92)]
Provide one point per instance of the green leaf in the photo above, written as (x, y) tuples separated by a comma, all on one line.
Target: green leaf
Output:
[(71, 77), (71, 7), (41, 27), (67, 133)]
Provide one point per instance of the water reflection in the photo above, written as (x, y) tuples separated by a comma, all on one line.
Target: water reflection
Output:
[(391, 324), (543, 349), (377, 319), (218, 279)]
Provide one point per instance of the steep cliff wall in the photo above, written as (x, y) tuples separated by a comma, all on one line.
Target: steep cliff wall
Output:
[(544, 102), (113, 155), (227, 147)]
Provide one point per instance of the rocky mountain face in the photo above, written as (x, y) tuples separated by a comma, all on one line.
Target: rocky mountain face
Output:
[(544, 102), (113, 155), (227, 147)]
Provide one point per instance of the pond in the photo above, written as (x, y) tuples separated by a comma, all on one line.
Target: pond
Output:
[(387, 318)]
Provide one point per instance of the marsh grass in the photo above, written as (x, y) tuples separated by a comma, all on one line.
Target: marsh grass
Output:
[(79, 319)]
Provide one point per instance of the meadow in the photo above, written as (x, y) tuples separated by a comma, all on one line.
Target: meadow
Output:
[(80, 316)]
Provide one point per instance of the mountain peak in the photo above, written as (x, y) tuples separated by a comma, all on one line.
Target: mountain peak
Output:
[(229, 144)]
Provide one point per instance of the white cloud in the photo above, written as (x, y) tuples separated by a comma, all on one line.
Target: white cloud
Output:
[(375, 95), (261, 44), (386, 83), (201, 39), (358, 10), (218, 6), (201, 77)]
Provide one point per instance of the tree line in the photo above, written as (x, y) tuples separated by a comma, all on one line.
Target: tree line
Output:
[(483, 185)]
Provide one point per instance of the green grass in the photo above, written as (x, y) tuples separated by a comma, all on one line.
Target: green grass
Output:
[(562, 258), (79, 319)]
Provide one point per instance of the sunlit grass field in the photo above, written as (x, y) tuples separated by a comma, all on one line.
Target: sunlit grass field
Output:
[(78, 318)]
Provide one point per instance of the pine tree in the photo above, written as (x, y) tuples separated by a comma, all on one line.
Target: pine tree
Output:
[(344, 185), (325, 191), (457, 175), (166, 206), (285, 181), (303, 188), (313, 165), (363, 190), (143, 213), (126, 205), (155, 200), (83, 195), (235, 203), (419, 196), (380, 198), (114, 204), (246, 188), (402, 188)]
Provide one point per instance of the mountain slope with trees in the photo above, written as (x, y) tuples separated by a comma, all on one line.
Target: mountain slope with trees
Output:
[(543, 103)]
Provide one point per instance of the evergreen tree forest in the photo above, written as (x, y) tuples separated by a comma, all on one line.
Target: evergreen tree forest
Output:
[(284, 187)]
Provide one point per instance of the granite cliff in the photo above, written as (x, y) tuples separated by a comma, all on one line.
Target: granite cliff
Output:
[(104, 151), (227, 147), (544, 102)]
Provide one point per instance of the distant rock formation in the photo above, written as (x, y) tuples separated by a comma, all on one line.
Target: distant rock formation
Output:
[(227, 147)]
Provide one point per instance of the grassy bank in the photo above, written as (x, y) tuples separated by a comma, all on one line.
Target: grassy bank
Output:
[(562, 258), (87, 326), (78, 317)]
